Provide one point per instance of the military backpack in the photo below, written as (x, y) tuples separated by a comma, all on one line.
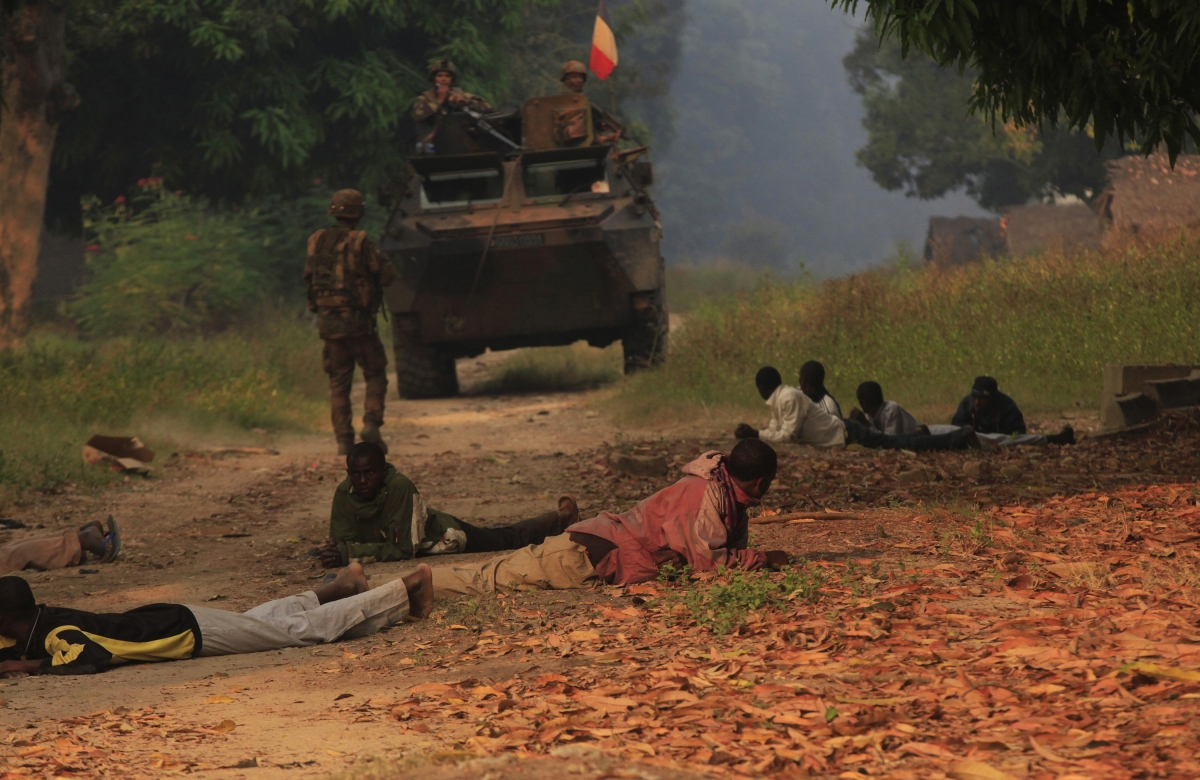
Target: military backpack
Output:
[(341, 284)]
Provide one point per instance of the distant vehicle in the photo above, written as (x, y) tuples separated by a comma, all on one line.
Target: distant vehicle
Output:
[(517, 230)]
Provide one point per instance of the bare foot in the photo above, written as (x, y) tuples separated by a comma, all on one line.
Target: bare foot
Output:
[(350, 581), (353, 578), (419, 583), (568, 509)]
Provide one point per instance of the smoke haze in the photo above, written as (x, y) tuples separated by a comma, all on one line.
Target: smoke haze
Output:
[(761, 167)]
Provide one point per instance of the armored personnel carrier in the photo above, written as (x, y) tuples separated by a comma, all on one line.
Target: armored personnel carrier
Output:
[(522, 230)]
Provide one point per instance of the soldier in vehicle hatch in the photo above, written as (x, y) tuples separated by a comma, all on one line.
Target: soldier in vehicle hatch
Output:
[(442, 97), (345, 276), (608, 130)]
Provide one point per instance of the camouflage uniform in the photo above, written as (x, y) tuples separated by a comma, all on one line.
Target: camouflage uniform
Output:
[(607, 129), (426, 104), (426, 107), (345, 276)]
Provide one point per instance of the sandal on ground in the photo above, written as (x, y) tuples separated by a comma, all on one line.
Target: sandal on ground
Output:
[(112, 542)]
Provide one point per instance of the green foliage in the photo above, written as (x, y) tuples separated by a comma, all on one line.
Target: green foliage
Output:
[(256, 97), (1127, 70), (170, 263), (689, 286), (1044, 326), (239, 101), (60, 390), (922, 139), (169, 266), (724, 606)]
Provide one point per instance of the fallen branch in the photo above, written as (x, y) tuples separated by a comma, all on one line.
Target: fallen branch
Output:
[(802, 516)]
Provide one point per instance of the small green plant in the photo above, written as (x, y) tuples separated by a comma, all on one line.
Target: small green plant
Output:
[(669, 572), (475, 612), (724, 606), (980, 536)]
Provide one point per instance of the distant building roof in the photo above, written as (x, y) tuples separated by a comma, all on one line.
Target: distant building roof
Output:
[(1043, 226), (1146, 196), (958, 240)]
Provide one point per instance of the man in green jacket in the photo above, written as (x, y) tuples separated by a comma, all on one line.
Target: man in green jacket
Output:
[(378, 513)]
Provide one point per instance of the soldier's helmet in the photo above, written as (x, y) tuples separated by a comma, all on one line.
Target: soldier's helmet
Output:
[(574, 66), (437, 66), (347, 203)]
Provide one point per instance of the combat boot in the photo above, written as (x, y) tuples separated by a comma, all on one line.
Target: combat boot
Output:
[(345, 444), (370, 432)]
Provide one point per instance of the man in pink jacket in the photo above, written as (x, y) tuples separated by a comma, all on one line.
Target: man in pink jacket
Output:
[(700, 521)]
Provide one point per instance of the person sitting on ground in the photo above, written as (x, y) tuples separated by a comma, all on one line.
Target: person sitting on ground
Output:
[(57, 551), (700, 521), (378, 513), (812, 384), (37, 639), (879, 415), (990, 411), (795, 418)]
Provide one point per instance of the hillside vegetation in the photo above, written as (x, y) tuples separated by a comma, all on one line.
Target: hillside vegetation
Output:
[(1044, 326)]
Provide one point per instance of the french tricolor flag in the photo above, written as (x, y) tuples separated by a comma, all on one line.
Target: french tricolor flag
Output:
[(604, 45)]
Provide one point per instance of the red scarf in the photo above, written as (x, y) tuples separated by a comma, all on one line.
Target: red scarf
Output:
[(733, 518)]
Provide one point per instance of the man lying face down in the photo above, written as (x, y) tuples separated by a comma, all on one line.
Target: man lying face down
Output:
[(879, 415), (700, 521), (378, 513), (37, 639)]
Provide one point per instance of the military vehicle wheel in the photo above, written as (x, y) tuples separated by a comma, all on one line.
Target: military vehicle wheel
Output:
[(423, 371), (645, 343)]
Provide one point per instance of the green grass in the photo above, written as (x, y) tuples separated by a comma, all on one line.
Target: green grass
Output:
[(550, 369), (724, 606), (60, 389), (1043, 326), (690, 286)]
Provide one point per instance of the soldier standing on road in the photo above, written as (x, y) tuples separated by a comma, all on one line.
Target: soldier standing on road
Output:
[(574, 76), (345, 276), (442, 97)]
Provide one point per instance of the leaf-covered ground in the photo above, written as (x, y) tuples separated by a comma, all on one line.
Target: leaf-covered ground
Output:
[(1027, 614)]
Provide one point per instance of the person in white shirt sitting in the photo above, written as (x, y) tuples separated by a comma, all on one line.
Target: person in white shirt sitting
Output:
[(795, 418), (884, 416), (812, 384)]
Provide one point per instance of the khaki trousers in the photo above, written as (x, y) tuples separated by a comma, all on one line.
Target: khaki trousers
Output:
[(300, 621), (42, 552), (338, 359), (556, 564)]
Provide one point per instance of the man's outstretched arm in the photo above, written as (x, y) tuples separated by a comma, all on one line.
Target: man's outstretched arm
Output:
[(15, 667)]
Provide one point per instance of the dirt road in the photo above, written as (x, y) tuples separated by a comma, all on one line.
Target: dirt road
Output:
[(235, 530)]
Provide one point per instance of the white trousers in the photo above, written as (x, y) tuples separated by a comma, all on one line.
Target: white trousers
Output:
[(300, 621), (989, 440)]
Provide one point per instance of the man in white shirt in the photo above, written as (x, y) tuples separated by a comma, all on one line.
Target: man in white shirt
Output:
[(884, 416), (795, 418), (812, 384)]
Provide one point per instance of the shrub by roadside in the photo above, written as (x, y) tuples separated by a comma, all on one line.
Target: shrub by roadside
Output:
[(1044, 326), (169, 263)]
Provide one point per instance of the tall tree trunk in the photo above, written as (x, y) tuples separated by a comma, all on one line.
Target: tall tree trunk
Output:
[(33, 96)]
